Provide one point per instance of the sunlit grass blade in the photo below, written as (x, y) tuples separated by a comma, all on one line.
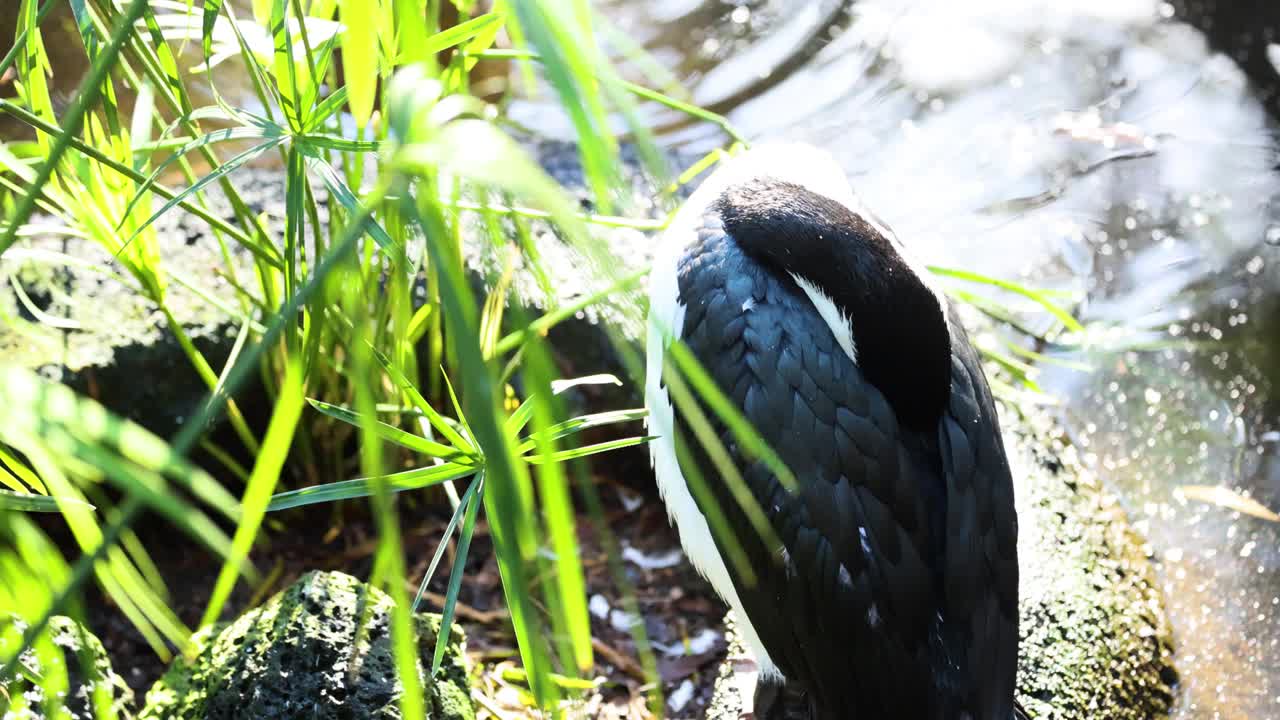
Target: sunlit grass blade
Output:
[(560, 386), (73, 119), (1046, 359), (550, 28), (28, 479), (360, 56), (460, 33), (363, 487), (340, 192), (996, 311), (210, 18), (394, 434), (229, 166), (456, 573), (523, 413), (327, 109), (453, 397), (328, 141), (521, 417), (1226, 498), (213, 138), (470, 492), (584, 451), (1018, 370), (583, 422), (262, 252), (415, 397), (543, 324), (710, 393), (1040, 297), (129, 510), (25, 502), (262, 481), (149, 486), (84, 24), (54, 407), (507, 502), (168, 64), (564, 580)]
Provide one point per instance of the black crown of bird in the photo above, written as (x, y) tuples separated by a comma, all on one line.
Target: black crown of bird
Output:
[(888, 585)]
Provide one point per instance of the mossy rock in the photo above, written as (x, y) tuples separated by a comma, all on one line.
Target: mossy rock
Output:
[(114, 344), (1096, 642), (117, 346), (320, 650), (88, 669), (1095, 639)]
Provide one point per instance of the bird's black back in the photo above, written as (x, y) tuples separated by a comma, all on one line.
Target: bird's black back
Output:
[(893, 590)]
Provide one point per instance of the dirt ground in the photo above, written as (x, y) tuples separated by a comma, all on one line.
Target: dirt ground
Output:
[(682, 616)]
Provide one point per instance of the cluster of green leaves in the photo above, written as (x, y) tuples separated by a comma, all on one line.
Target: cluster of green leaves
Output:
[(328, 314)]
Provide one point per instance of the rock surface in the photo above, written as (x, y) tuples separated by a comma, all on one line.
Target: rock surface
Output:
[(1095, 639), (114, 345), (88, 671), (320, 650), (110, 342)]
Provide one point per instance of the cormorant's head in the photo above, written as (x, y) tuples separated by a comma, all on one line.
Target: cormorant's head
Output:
[(879, 302)]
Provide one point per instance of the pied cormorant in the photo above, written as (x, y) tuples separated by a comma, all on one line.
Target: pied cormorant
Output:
[(890, 586)]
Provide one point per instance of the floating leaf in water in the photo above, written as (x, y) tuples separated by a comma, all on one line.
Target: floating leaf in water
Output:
[(1227, 498)]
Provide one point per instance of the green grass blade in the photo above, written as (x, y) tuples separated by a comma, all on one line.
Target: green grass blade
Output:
[(327, 109), (453, 397), (149, 486), (521, 417), (339, 190), (29, 480), (411, 392), (360, 56), (213, 138), (1039, 297), (211, 9), (584, 451), (132, 506), (73, 120), (460, 33), (229, 166), (583, 422), (571, 73), (565, 586), (463, 502), (394, 434), (25, 502), (264, 253), (455, 574), (262, 481), (710, 393), (56, 408), (508, 499), (363, 487)]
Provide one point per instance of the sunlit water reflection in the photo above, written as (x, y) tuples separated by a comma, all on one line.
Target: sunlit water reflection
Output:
[(1096, 147)]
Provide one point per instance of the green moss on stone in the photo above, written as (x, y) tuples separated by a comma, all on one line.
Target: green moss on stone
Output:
[(320, 650), (1096, 642), (88, 670)]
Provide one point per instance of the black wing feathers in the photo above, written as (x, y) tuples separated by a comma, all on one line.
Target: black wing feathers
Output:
[(890, 555)]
